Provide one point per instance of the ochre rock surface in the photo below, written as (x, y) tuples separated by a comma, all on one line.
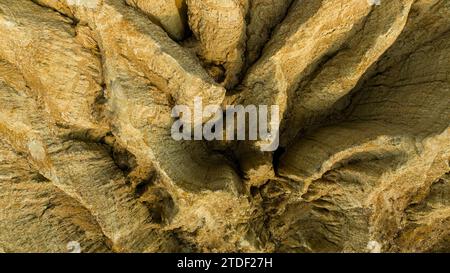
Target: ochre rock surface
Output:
[(87, 89)]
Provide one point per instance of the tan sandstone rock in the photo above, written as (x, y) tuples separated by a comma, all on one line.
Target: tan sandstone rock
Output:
[(88, 160)]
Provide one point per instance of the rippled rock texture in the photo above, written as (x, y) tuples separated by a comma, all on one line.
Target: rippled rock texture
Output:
[(86, 155)]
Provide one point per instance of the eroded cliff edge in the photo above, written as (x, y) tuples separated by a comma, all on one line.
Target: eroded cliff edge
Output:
[(86, 155)]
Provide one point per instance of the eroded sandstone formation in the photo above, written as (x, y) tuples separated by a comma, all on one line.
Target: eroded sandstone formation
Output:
[(87, 89)]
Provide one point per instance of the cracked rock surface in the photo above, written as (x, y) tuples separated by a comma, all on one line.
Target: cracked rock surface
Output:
[(87, 89)]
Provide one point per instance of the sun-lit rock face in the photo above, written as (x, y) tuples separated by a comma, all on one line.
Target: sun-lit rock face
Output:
[(87, 158)]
